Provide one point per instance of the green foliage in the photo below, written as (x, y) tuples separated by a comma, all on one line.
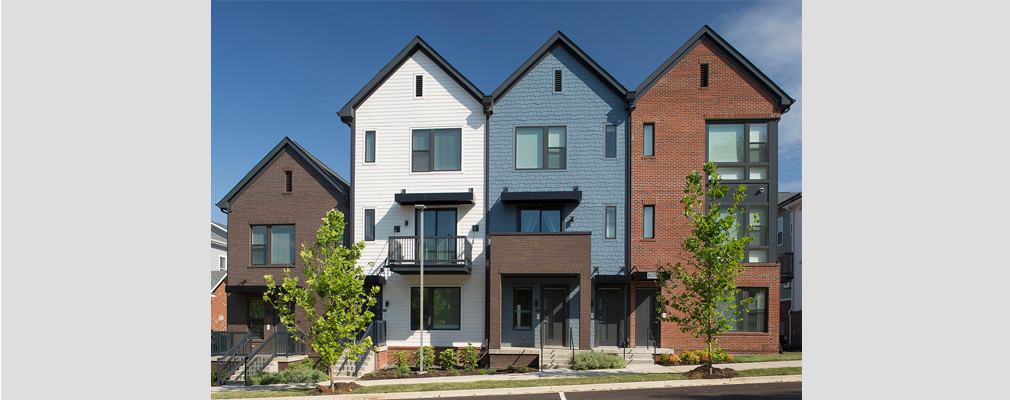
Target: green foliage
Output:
[(703, 306), (701, 356), (481, 372), (213, 377), (468, 357), (403, 370), (297, 375), (332, 299), (308, 363), (524, 369), (597, 360), (370, 375), (689, 357), (401, 358), (429, 358), (511, 368), (447, 359)]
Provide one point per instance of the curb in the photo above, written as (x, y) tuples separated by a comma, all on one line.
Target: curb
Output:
[(556, 389)]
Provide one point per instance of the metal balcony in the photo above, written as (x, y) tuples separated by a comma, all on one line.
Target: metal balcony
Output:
[(442, 255)]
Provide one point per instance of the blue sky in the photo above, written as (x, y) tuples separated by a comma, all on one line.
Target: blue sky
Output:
[(285, 68)]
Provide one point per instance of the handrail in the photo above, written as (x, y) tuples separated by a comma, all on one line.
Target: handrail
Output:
[(233, 358), (259, 364), (438, 249), (655, 343), (223, 342)]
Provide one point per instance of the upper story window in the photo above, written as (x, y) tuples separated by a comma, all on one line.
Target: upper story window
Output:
[(757, 217), (273, 244), (649, 222), (370, 224), (222, 263), (704, 75), (436, 149), (753, 317), (740, 150), (610, 141), (540, 220), (418, 86), (610, 222), (369, 146), (541, 147), (557, 80), (648, 139), (287, 181), (780, 225)]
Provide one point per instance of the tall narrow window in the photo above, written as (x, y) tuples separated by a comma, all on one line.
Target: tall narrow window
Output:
[(222, 263), (648, 222), (369, 146), (704, 75), (287, 181), (522, 298), (418, 85), (257, 313), (780, 231), (610, 222), (648, 131), (610, 140), (557, 80), (757, 218), (370, 224)]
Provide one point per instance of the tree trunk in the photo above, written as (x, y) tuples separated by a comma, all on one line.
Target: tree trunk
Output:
[(331, 375)]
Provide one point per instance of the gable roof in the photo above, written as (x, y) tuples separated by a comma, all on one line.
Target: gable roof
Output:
[(329, 178), (415, 45), (787, 198), (561, 40), (216, 277), (707, 33)]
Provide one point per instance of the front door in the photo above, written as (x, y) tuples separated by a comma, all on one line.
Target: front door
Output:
[(555, 317), (439, 233), (608, 315), (646, 324)]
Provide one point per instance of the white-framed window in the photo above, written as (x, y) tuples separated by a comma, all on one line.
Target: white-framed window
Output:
[(369, 224), (222, 263), (780, 226)]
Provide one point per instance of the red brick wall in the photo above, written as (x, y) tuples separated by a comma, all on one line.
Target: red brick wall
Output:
[(386, 359), (219, 309), (679, 108)]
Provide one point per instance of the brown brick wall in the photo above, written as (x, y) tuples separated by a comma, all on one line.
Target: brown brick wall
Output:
[(679, 108)]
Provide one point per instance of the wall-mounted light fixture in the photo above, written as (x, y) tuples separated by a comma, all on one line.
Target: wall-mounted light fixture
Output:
[(571, 219), (575, 188), (403, 190), (387, 303), (505, 189), (476, 228), (761, 190), (406, 223), (396, 228)]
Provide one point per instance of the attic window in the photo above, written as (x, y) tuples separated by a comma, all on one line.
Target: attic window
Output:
[(287, 181), (418, 85), (704, 75), (557, 80)]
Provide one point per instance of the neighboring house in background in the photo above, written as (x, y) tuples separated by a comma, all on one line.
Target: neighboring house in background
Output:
[(706, 102), (218, 274), (272, 211), (789, 237), (557, 190), (417, 132)]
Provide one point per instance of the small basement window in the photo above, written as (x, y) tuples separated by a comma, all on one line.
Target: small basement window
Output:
[(704, 75)]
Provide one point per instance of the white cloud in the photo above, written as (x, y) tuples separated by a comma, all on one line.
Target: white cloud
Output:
[(791, 186)]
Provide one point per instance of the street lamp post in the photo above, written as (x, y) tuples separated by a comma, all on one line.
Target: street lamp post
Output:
[(420, 256)]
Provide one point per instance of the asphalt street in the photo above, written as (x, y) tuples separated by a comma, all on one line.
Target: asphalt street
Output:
[(759, 391)]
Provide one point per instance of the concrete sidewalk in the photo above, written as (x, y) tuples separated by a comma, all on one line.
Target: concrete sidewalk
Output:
[(546, 374)]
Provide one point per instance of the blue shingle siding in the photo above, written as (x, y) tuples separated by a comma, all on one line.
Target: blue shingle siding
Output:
[(585, 106)]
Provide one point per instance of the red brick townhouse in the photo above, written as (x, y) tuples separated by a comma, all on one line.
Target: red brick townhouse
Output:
[(707, 102)]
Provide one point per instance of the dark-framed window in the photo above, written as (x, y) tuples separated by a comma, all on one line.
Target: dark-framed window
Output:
[(610, 141), (370, 224), (522, 316), (557, 80), (287, 181), (753, 317), (540, 219), (649, 222), (610, 222), (757, 218), (257, 311), (369, 146), (273, 244), (648, 139), (786, 291), (541, 147), (780, 226), (418, 85), (441, 308), (740, 150), (436, 149)]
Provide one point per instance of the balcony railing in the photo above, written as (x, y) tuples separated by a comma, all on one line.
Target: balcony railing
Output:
[(438, 251)]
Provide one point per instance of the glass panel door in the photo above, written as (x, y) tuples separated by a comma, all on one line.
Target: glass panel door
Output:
[(439, 233)]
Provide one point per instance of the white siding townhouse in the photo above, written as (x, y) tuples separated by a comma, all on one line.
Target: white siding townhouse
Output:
[(418, 149)]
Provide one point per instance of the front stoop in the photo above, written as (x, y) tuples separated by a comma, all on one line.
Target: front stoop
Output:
[(356, 369)]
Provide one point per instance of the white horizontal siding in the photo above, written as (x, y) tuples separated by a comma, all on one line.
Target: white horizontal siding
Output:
[(215, 254), (393, 112)]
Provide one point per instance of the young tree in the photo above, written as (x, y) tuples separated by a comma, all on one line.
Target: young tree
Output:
[(333, 300), (708, 277)]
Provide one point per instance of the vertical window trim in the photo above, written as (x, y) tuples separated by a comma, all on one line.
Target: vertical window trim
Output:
[(370, 153), (418, 86), (606, 141), (369, 226), (606, 222), (649, 145), (651, 235)]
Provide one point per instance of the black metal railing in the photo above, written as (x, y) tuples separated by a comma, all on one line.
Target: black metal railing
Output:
[(437, 250), (375, 330), (222, 341), (254, 360), (786, 260), (234, 358), (655, 343)]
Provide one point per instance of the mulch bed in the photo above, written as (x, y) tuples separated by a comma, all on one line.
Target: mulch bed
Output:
[(337, 388), (717, 373), (392, 373)]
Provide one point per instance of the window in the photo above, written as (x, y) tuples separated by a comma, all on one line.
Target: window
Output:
[(786, 292), (540, 146), (780, 231), (610, 222), (522, 319), (418, 85), (369, 146), (257, 312), (704, 75), (436, 150), (222, 263), (610, 141), (757, 217), (648, 222), (273, 244), (648, 140), (287, 181), (540, 220), (739, 156), (370, 224), (441, 308), (557, 80), (753, 317)]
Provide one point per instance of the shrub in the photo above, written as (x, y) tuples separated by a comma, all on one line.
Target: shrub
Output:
[(468, 357), (401, 359), (213, 377), (688, 357), (296, 375), (598, 360), (447, 359), (511, 368), (481, 372), (524, 369), (702, 356), (429, 357), (403, 370)]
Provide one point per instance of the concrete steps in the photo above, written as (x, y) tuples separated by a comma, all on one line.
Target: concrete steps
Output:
[(356, 369)]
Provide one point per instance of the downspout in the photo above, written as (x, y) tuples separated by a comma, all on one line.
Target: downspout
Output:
[(488, 103), (629, 98)]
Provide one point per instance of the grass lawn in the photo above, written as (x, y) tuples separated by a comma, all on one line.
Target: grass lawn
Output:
[(423, 387), (785, 356)]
